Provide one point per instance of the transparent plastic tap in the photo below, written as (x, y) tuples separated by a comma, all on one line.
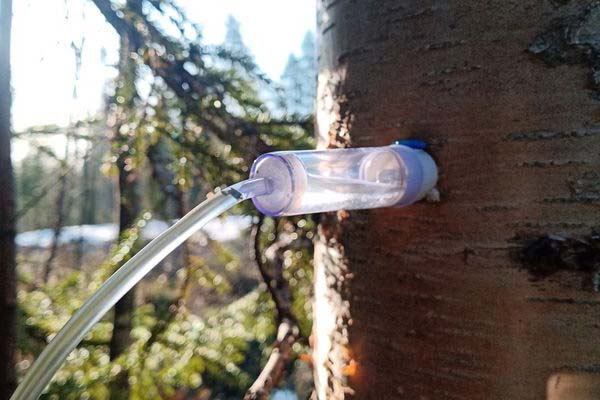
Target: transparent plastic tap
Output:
[(311, 181)]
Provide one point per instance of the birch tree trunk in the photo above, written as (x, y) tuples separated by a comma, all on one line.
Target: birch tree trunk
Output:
[(492, 292), (8, 283)]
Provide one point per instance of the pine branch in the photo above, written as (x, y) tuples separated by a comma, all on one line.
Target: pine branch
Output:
[(190, 89)]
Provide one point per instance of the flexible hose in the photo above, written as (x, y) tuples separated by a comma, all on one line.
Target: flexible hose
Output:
[(115, 287)]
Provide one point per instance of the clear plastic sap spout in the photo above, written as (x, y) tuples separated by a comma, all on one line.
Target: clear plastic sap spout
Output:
[(312, 181), (281, 183)]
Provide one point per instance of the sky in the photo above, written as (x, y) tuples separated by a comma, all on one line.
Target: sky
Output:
[(43, 61)]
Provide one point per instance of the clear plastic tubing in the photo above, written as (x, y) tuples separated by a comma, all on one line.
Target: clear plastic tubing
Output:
[(50, 360), (313, 181), (281, 183)]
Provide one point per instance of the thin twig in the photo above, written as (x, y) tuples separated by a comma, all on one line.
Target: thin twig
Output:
[(288, 331), (272, 285)]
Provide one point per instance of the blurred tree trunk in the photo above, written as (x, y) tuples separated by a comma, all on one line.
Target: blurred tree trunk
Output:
[(175, 205), (87, 211), (129, 200), (8, 283), (491, 293), (161, 162), (61, 212), (88, 182)]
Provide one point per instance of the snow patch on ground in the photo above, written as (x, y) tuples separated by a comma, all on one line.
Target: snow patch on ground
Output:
[(220, 229)]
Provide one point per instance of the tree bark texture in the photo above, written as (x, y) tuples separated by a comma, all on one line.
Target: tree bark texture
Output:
[(8, 294), (492, 292)]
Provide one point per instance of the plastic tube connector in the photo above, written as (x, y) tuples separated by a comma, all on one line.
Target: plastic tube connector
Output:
[(311, 181)]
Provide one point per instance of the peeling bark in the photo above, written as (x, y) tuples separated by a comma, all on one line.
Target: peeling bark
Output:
[(429, 301)]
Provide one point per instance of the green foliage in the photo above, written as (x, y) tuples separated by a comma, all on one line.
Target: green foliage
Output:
[(299, 79), (210, 135), (217, 352)]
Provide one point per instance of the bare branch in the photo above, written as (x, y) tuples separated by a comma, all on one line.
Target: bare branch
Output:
[(288, 331), (278, 294), (287, 335)]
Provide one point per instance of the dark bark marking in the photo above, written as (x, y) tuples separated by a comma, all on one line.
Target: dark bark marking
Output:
[(454, 70), (571, 200), (332, 4), (394, 8), (550, 135), (425, 12), (592, 368), (496, 208), (586, 186), (559, 3), (568, 300), (537, 225), (448, 44), (328, 28), (551, 163), (466, 253), (585, 189), (549, 254), (571, 40), (342, 58)]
